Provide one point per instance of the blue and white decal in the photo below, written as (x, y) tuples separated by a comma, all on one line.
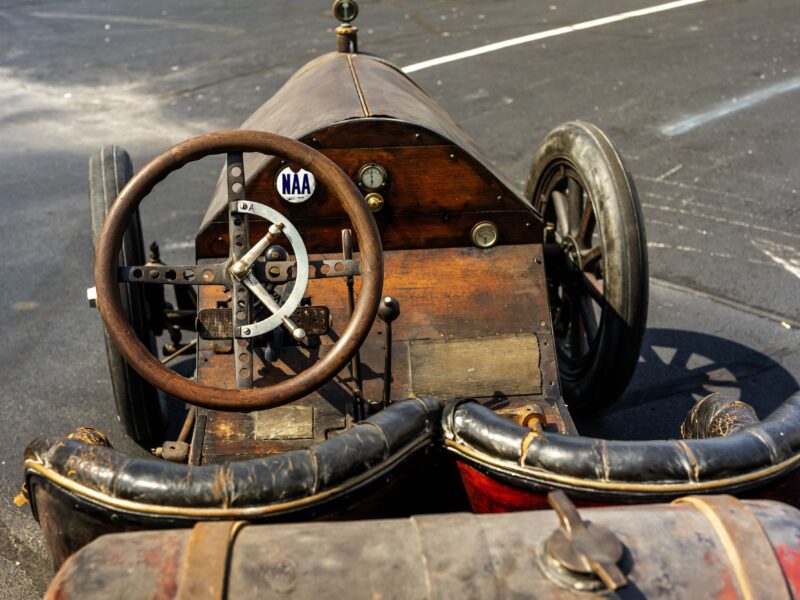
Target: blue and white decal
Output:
[(295, 185)]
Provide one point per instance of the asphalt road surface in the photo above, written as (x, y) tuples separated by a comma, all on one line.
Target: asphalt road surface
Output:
[(701, 100)]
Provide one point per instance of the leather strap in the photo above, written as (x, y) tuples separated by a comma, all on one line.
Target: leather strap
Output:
[(746, 543), (205, 561)]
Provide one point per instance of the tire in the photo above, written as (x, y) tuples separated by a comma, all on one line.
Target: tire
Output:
[(595, 262), (138, 403)]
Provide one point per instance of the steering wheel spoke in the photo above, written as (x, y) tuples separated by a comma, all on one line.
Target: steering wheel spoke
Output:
[(239, 233), (280, 271), (254, 285), (210, 274), (242, 267)]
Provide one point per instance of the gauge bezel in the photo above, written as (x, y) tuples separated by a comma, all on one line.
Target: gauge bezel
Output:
[(473, 234), (372, 165)]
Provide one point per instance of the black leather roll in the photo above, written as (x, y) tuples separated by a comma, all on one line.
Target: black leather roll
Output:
[(255, 482), (763, 449), (498, 436)]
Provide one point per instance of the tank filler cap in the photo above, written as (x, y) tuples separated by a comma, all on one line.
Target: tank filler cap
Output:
[(345, 11), (582, 555)]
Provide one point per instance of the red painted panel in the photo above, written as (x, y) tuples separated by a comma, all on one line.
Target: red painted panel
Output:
[(487, 495), (789, 557)]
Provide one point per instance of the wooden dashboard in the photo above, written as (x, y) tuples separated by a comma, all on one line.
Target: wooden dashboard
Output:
[(473, 323)]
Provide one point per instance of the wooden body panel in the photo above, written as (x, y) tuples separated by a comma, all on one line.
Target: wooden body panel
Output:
[(422, 180), (445, 295)]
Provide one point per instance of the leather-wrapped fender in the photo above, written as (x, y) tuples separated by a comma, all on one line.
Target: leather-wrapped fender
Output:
[(103, 474), (597, 469), (79, 491)]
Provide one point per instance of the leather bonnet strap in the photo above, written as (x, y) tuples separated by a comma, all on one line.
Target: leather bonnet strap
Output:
[(746, 544), (204, 574)]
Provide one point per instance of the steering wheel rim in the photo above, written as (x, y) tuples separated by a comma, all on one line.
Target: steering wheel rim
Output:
[(223, 142)]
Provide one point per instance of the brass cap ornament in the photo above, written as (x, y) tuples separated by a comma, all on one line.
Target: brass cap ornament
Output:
[(374, 201), (345, 11)]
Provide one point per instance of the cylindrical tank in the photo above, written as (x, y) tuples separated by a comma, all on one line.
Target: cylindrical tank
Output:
[(705, 547)]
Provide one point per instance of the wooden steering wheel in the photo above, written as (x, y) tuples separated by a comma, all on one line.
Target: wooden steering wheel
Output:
[(236, 271)]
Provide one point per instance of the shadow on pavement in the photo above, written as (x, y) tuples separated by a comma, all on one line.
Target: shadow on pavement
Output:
[(676, 369)]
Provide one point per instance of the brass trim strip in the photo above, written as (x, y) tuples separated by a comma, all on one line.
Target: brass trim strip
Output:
[(526, 442), (245, 512), (689, 487), (359, 90), (745, 542)]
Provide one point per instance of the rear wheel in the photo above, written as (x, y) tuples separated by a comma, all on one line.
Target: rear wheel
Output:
[(138, 403), (595, 262)]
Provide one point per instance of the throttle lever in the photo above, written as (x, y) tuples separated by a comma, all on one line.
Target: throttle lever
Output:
[(388, 311), (355, 364)]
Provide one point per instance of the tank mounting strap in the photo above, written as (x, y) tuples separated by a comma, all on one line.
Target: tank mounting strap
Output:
[(746, 543), (204, 572)]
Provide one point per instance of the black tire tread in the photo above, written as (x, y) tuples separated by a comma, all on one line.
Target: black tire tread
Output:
[(137, 402)]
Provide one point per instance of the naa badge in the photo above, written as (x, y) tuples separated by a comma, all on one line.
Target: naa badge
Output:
[(294, 184)]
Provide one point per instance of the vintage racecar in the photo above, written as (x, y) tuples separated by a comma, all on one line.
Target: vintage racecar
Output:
[(372, 303)]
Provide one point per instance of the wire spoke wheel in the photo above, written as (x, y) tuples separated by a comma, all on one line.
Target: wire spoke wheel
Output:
[(575, 268), (595, 262)]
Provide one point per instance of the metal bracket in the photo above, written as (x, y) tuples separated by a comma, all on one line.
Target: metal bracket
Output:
[(210, 274), (279, 271), (239, 231)]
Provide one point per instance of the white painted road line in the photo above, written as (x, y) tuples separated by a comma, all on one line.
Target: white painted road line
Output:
[(631, 14), (786, 256), (729, 107)]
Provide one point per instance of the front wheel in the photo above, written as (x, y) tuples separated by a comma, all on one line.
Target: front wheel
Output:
[(138, 403), (595, 262)]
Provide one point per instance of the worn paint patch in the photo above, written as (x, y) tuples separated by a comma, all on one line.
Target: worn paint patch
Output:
[(789, 557), (285, 423), (728, 589)]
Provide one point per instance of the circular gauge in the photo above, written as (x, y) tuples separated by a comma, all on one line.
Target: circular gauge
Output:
[(345, 10), (484, 234), (372, 176)]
